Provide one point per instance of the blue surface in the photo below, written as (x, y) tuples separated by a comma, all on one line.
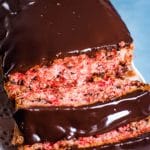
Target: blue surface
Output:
[(136, 15)]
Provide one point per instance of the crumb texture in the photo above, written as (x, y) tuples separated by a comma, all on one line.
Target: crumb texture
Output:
[(73, 81)]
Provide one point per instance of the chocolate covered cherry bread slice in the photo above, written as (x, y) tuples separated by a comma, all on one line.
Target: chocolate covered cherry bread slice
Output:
[(65, 53), (67, 66)]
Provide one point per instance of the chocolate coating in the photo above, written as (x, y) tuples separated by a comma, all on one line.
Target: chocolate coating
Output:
[(57, 123), (34, 30)]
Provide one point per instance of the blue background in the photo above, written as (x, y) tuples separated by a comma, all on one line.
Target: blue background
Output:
[(136, 15)]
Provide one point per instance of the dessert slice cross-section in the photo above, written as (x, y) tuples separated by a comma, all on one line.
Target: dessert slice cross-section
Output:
[(67, 66)]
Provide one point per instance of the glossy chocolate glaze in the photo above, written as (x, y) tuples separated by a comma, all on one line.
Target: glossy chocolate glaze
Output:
[(57, 123), (34, 30)]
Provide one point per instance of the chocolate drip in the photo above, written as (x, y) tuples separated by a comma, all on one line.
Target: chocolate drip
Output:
[(57, 123), (34, 30)]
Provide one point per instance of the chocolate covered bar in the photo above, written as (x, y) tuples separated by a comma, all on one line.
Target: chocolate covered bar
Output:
[(67, 66)]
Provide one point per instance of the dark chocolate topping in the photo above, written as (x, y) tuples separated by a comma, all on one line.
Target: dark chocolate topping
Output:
[(57, 123), (37, 29)]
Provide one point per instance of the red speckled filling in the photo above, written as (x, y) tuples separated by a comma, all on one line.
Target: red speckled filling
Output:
[(73, 81)]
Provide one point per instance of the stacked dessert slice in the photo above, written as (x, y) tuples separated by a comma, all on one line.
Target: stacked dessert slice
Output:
[(67, 66)]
